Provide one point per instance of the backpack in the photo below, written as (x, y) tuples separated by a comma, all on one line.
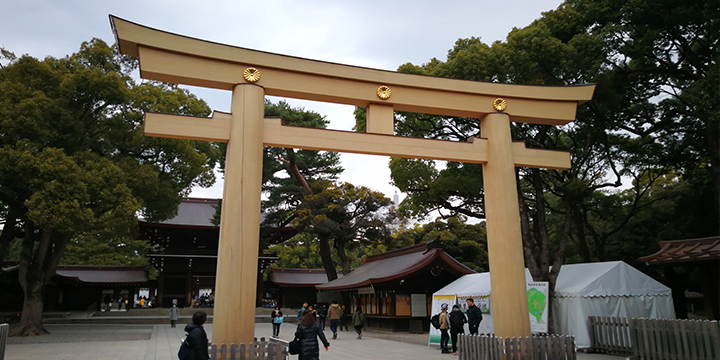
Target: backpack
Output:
[(435, 321), (184, 351)]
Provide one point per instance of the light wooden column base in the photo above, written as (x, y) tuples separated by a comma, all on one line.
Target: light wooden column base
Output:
[(505, 249), (235, 282)]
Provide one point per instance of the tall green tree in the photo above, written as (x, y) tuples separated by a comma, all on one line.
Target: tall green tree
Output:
[(653, 112), (346, 217), (75, 161), (465, 242), (291, 174)]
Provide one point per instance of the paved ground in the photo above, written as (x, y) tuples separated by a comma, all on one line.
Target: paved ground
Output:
[(161, 342)]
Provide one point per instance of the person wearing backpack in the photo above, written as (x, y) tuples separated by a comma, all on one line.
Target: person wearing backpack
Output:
[(197, 338), (444, 327), (457, 322)]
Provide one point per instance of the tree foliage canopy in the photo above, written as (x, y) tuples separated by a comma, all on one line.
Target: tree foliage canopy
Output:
[(76, 165)]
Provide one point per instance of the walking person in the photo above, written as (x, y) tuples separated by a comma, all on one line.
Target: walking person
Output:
[(334, 314), (359, 321), (322, 315), (197, 337), (301, 312), (474, 316), (457, 322), (277, 320), (444, 327), (308, 331), (174, 315), (107, 300), (343, 318)]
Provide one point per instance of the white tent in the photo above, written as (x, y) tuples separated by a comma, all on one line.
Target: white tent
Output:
[(611, 288), (595, 289), (475, 286)]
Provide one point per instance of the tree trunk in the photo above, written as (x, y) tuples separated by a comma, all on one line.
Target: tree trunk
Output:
[(38, 263), (294, 171), (327, 259), (557, 264), (344, 259), (8, 232), (540, 224), (574, 213), (31, 319)]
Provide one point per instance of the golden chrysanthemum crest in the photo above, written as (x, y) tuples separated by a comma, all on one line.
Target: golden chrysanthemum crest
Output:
[(251, 74)]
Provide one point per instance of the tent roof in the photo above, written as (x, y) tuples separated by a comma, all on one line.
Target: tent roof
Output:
[(472, 285), (613, 278), (392, 265)]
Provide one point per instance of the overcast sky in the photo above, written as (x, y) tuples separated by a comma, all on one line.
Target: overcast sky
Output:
[(370, 33)]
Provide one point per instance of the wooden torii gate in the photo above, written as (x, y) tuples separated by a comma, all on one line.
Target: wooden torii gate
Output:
[(251, 75)]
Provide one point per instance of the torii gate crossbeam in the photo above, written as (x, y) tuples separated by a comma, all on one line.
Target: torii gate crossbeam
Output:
[(253, 74)]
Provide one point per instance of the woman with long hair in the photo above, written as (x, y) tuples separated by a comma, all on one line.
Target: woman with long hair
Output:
[(277, 319), (308, 332)]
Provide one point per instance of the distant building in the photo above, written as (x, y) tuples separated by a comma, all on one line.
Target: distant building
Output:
[(702, 254), (185, 253), (395, 288), (293, 287), (76, 287)]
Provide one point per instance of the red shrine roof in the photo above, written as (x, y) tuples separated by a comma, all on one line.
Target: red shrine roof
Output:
[(393, 265), (690, 250), (299, 277)]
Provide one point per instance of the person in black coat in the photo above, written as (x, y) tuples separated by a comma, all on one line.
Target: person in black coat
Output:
[(457, 322), (197, 338), (308, 332), (474, 316)]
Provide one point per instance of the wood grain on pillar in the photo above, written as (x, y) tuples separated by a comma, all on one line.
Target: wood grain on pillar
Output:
[(235, 284), (505, 249)]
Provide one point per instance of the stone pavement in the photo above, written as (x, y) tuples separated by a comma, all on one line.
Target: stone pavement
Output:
[(161, 342)]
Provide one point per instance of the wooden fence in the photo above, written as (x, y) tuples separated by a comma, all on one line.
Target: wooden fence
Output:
[(4, 329), (610, 335), (257, 350), (488, 347), (656, 339), (669, 339)]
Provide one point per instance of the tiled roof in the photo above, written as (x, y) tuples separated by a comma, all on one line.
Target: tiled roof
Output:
[(300, 277), (196, 212), (91, 274), (690, 250), (392, 265)]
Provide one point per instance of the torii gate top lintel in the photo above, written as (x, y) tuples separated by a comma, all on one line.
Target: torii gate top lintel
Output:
[(179, 59)]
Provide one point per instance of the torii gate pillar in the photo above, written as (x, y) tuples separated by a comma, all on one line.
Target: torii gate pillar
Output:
[(236, 278), (505, 248)]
